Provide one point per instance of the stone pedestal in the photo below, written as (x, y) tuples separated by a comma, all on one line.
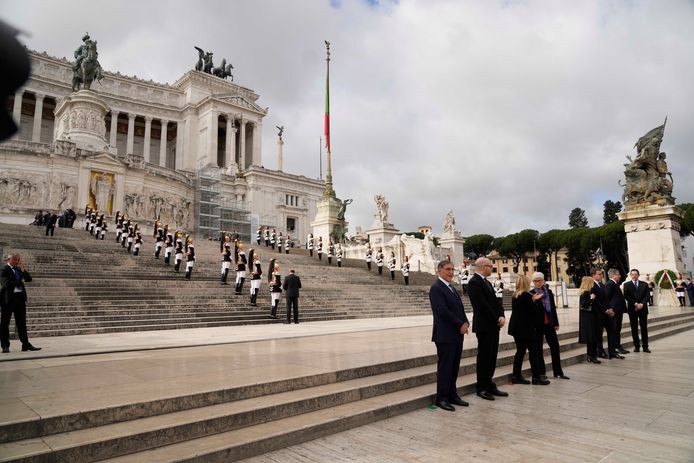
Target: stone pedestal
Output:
[(653, 238), (453, 241), (381, 233), (80, 119), (326, 219)]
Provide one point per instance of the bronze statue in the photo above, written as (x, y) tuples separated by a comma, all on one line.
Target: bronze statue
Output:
[(86, 67), (647, 174), (224, 70), (281, 131), (343, 209), (205, 65)]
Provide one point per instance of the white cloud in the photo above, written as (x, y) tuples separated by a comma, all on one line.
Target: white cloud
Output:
[(509, 113)]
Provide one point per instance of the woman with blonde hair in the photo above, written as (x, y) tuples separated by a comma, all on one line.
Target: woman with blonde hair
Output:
[(522, 328), (589, 332)]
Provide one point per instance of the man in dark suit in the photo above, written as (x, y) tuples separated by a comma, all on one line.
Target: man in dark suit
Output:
[(488, 319), (291, 286), (601, 303), (617, 305), (637, 295), (450, 326), (13, 299)]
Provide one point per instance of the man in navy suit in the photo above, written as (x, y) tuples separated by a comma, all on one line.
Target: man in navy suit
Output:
[(637, 295), (450, 326), (488, 319), (618, 305)]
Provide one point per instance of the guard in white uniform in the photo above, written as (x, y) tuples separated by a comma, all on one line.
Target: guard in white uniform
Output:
[(379, 260), (391, 265), (406, 270), (319, 248), (226, 262), (309, 244), (338, 254), (275, 282), (257, 272), (240, 267), (369, 256), (190, 260)]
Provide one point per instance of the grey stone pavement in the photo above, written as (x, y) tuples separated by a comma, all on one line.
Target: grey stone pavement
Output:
[(638, 410)]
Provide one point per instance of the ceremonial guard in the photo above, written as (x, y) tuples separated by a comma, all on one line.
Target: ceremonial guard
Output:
[(257, 272), (338, 254), (258, 235), (309, 244), (104, 229), (179, 253), (267, 237), (131, 237), (159, 235), (240, 267), (406, 270), (168, 251), (119, 228), (124, 235), (138, 244), (92, 223), (331, 251), (369, 256), (464, 277), (226, 262), (286, 244), (190, 260), (391, 265), (319, 248), (118, 216), (87, 217), (499, 292), (379, 260), (273, 238), (279, 242), (275, 282), (99, 223)]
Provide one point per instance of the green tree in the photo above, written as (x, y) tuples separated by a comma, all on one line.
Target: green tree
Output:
[(613, 242), (577, 218), (688, 220), (610, 210), (582, 244), (550, 243), (478, 245), (517, 245)]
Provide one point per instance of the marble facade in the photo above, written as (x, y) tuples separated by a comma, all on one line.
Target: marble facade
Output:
[(156, 142)]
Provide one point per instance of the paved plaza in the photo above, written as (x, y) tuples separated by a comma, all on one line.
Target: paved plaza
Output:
[(637, 410)]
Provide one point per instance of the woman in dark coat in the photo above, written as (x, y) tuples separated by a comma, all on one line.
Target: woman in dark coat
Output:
[(589, 331), (522, 328)]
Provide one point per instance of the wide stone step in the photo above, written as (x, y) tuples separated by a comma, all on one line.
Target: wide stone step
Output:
[(226, 425)]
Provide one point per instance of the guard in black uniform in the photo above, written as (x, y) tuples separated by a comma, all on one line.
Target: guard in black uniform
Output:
[(279, 242), (190, 260), (257, 272), (138, 244), (286, 244), (179, 254), (331, 251), (168, 251), (275, 282), (240, 267), (226, 262), (159, 235), (258, 234), (319, 248), (379, 260)]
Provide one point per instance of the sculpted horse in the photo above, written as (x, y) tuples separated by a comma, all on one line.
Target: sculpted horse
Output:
[(88, 70)]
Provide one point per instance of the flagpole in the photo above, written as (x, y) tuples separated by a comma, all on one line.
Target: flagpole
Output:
[(320, 158), (329, 192)]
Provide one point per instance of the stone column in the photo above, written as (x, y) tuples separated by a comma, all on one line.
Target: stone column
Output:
[(213, 140), (178, 155), (131, 133), (242, 144), (17, 110), (38, 115), (231, 141), (162, 143), (257, 139), (148, 137), (279, 154), (114, 128)]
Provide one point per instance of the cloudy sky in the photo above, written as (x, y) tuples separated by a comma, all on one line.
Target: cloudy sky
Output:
[(510, 113)]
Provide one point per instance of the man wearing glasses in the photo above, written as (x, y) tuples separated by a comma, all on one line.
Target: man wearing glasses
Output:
[(488, 319)]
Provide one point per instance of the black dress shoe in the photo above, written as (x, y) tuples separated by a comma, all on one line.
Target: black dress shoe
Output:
[(540, 382), (5, 350), (498, 393), (445, 405), (636, 349), (593, 360), (603, 356), (562, 376), (485, 395), (647, 350), (459, 401), (616, 356), (622, 351), (515, 380), (27, 347)]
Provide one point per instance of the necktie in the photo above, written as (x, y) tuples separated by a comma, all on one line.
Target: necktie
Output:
[(636, 283), (17, 275), (451, 288)]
